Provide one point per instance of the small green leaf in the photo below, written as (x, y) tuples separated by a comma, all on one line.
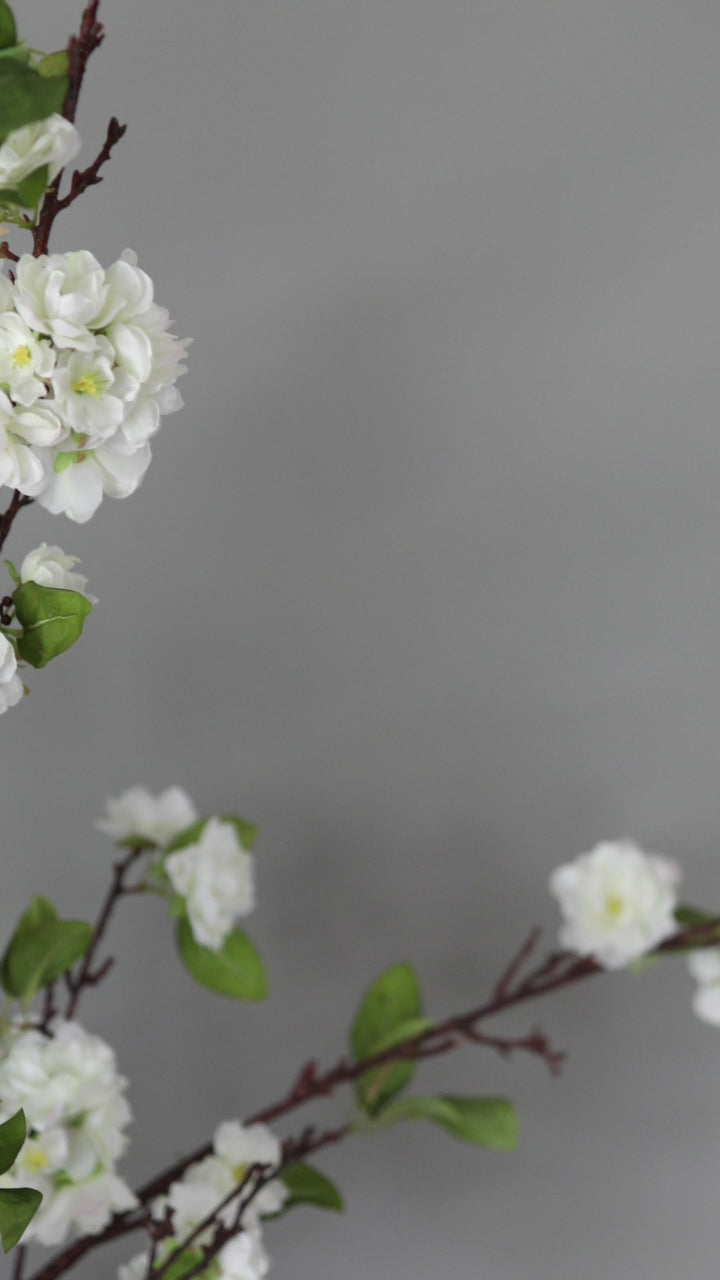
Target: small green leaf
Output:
[(12, 1136), (53, 64), (691, 917), (307, 1185), (25, 96), (40, 955), (376, 1087), (8, 32), (488, 1122), (246, 833), (13, 572), (18, 1206), (392, 999), (18, 53), (235, 970), (188, 1261), (52, 620)]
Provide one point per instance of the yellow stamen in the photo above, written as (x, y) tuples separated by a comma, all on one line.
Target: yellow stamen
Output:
[(90, 384), (21, 357)]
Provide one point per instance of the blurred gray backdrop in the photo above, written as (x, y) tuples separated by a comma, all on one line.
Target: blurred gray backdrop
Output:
[(424, 579)]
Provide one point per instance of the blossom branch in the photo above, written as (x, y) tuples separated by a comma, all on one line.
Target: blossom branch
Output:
[(17, 501), (556, 971), (86, 976)]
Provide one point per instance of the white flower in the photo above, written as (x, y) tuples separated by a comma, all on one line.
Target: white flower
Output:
[(84, 1207), (139, 813), (617, 902), (243, 1258), (50, 567), (90, 395), (215, 876), (240, 1147), (53, 141), (79, 478), (704, 965), (11, 686), (61, 294), (26, 360), (68, 1086)]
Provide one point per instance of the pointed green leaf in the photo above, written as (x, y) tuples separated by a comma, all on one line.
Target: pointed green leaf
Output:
[(13, 572), (8, 32), (39, 956), (18, 1206), (376, 1087), (690, 917), (25, 96), (392, 999), (235, 970), (246, 833), (12, 1136), (40, 911), (489, 1122), (307, 1185), (188, 1261), (51, 618)]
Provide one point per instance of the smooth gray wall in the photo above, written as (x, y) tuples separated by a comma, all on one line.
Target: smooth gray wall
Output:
[(425, 579)]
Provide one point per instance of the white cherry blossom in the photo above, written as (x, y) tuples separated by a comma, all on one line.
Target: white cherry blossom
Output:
[(158, 818), (11, 686), (617, 902), (51, 567), (704, 965), (53, 141), (216, 878)]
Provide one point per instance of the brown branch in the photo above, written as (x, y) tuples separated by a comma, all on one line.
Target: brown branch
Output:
[(6, 519), (558, 970), (86, 976), (79, 50)]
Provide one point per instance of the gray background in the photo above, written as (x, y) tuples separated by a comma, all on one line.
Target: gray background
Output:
[(424, 579)]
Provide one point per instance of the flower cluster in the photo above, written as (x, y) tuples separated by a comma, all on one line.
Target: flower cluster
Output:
[(53, 141), (67, 1083), (87, 368), (211, 872), (238, 1153), (617, 902)]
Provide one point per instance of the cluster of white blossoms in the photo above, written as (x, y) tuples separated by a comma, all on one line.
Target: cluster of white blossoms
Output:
[(87, 368), (214, 874), (53, 141), (237, 1151), (69, 1088)]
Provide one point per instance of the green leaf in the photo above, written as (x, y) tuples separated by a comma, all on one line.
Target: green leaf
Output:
[(235, 970), (390, 1000), (12, 1136), (18, 1206), (246, 833), (186, 1262), (41, 950), (39, 912), (307, 1185), (13, 572), (8, 31), (52, 620), (53, 64), (26, 96), (30, 191), (376, 1087), (691, 917), (488, 1122)]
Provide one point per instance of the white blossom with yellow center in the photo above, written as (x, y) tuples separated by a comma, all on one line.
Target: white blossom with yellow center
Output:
[(617, 902)]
